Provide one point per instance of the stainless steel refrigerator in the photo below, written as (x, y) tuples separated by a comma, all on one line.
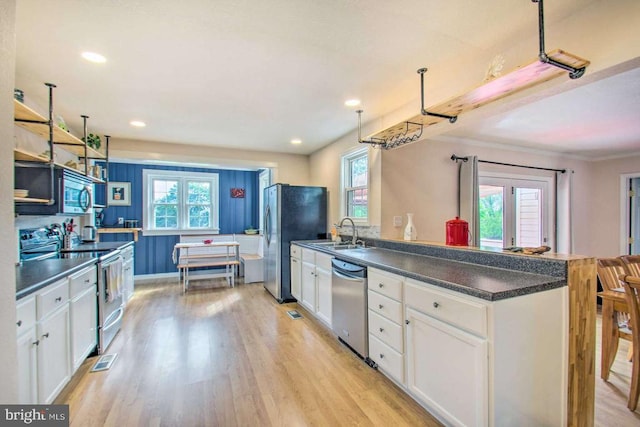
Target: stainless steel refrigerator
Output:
[(290, 213)]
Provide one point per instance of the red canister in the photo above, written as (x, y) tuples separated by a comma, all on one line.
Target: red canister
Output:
[(457, 232)]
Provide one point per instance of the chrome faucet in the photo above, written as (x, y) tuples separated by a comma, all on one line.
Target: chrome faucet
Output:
[(354, 239)]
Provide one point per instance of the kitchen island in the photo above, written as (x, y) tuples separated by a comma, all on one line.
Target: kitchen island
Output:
[(530, 318)]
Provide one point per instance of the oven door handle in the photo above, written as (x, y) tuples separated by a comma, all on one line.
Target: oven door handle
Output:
[(120, 312)]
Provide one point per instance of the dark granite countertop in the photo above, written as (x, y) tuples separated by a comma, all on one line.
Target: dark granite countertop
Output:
[(99, 246), (489, 283), (35, 275)]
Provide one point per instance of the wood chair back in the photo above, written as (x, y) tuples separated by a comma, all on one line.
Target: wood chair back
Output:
[(631, 286), (631, 264), (609, 269)]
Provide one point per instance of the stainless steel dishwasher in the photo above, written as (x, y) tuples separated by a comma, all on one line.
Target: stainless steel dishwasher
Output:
[(349, 306)]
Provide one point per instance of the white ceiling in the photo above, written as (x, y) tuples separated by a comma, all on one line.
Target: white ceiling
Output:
[(256, 74)]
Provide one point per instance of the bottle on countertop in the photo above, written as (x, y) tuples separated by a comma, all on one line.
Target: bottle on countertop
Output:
[(410, 232)]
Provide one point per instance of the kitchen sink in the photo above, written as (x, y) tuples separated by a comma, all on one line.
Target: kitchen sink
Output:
[(338, 246)]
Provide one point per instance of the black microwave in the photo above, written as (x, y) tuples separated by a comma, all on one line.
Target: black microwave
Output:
[(72, 191)]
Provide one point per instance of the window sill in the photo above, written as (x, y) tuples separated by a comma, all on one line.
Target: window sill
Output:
[(177, 232)]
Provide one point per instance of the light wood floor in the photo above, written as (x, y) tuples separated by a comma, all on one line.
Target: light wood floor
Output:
[(612, 395), (227, 357)]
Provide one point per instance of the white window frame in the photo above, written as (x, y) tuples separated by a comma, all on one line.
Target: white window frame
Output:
[(264, 180), (148, 175), (344, 185), (548, 194)]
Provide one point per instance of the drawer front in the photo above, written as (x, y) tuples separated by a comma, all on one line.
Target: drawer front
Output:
[(323, 261), (458, 311), (308, 255), (127, 253), (388, 360), (82, 280), (387, 331), (25, 314), (295, 251), (385, 306), (385, 283), (52, 297)]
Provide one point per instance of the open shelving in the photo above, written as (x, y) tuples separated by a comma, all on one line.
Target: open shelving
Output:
[(34, 122), (546, 67)]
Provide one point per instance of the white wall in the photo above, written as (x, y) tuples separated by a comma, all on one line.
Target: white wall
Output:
[(325, 171), (421, 178), (288, 168), (8, 360), (604, 202)]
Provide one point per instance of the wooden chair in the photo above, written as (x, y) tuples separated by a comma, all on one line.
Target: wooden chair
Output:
[(631, 264), (631, 286), (613, 305)]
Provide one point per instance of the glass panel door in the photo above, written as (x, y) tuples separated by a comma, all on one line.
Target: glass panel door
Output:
[(492, 216), (513, 212)]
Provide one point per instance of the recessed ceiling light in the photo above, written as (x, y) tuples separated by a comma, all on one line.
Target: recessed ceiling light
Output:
[(352, 102), (137, 123), (94, 57), (296, 141)]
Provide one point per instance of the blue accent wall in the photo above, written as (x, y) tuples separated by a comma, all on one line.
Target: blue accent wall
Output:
[(153, 253)]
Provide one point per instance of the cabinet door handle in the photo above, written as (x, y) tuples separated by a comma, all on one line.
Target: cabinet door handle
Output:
[(380, 306), (406, 322), (19, 323), (380, 285), (36, 342), (436, 304), (58, 299), (381, 356), (381, 329), (46, 335), (86, 280)]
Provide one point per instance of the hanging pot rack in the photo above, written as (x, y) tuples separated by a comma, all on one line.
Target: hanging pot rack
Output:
[(546, 67)]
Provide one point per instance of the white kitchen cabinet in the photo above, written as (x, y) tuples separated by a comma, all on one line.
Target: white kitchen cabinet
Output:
[(308, 281), (83, 288), (27, 350), (386, 328), (316, 284), (128, 274), (54, 361), (475, 362), (296, 272), (323, 284), (447, 370)]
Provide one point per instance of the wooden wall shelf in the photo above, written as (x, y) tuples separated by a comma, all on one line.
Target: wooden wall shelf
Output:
[(110, 230), (521, 78), (34, 122)]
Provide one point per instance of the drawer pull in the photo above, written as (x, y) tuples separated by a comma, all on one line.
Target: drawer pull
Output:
[(381, 356), (436, 304), (86, 280), (58, 299), (381, 329), (19, 323), (380, 306), (380, 285)]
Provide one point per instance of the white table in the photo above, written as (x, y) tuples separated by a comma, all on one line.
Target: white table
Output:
[(214, 254)]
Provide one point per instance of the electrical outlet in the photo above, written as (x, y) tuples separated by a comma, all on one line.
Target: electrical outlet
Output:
[(397, 221), (120, 221)]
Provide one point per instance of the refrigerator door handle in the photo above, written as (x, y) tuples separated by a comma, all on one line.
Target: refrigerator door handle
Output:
[(267, 229)]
